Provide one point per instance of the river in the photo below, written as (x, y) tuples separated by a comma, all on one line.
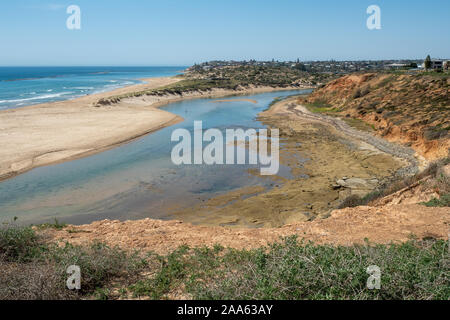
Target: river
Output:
[(138, 179)]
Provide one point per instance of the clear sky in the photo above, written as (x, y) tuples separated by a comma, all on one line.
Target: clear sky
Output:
[(182, 32)]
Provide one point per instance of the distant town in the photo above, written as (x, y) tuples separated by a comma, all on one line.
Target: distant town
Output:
[(333, 66)]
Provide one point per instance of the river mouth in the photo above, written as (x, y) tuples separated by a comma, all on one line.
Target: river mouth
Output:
[(138, 180)]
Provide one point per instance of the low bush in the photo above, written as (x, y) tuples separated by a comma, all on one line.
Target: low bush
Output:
[(295, 270), (288, 269), (18, 243), (443, 201), (34, 269)]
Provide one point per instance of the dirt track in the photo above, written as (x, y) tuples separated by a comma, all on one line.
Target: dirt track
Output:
[(393, 149)]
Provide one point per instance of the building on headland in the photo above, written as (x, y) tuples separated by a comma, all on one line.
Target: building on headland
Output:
[(395, 66), (446, 65), (437, 64)]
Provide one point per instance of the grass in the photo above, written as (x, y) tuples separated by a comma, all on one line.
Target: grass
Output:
[(287, 269), (34, 269), (443, 201), (444, 74), (230, 79), (294, 270), (18, 244), (359, 124), (55, 225), (319, 106)]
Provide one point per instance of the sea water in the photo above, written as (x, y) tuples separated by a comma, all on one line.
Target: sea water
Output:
[(22, 86)]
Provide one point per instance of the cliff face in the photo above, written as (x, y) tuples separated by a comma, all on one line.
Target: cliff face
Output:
[(410, 109)]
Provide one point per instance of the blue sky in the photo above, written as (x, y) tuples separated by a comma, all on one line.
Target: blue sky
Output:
[(182, 32)]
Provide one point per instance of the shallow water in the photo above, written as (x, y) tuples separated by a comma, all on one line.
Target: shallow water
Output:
[(136, 180)]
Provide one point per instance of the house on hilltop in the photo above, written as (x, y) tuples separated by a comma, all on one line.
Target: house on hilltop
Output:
[(396, 66), (437, 64), (446, 65)]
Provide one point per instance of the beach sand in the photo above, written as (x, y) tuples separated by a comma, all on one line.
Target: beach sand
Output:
[(52, 132)]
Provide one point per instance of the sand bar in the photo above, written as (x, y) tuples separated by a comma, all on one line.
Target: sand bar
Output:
[(49, 133), (52, 132)]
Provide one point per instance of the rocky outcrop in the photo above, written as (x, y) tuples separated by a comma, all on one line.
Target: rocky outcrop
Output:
[(355, 186)]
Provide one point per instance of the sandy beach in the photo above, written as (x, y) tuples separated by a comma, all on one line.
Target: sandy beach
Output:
[(49, 133)]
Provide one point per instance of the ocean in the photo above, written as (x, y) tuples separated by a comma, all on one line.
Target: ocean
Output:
[(23, 86)]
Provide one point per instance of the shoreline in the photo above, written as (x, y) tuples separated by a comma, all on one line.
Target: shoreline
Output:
[(299, 199), (397, 216), (398, 151), (31, 135)]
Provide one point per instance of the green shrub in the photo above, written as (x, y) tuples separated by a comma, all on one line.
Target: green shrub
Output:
[(34, 269), (292, 270), (55, 225), (443, 201), (296, 270), (351, 202), (172, 270), (18, 243), (99, 263)]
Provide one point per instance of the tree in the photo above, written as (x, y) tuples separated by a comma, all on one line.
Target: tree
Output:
[(427, 62), (300, 66)]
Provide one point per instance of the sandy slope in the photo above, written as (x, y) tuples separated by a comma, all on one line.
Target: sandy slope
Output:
[(408, 109), (347, 226)]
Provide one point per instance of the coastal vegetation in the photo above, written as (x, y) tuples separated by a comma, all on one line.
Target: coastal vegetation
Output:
[(261, 75), (418, 104), (239, 77), (33, 268), (443, 201), (413, 109)]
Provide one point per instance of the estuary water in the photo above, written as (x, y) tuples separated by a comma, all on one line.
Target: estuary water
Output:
[(138, 179)]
